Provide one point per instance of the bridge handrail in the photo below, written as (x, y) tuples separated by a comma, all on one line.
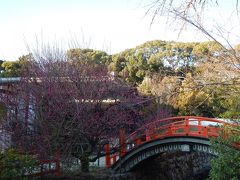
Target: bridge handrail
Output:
[(181, 119)]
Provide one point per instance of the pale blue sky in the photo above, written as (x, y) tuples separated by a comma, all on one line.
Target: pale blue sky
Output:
[(111, 25)]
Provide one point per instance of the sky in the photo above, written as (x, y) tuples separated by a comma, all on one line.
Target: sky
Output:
[(109, 25)]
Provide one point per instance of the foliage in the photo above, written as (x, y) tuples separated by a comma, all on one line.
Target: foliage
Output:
[(11, 68), (205, 86), (227, 164), (15, 165), (118, 63), (194, 99), (232, 106), (1, 68), (163, 87), (14, 68), (163, 57), (95, 57)]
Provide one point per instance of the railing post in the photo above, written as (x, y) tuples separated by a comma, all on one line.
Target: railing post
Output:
[(122, 143), (212, 131), (57, 160), (154, 134), (186, 129), (205, 131), (138, 142), (148, 138), (170, 130), (107, 156), (199, 126)]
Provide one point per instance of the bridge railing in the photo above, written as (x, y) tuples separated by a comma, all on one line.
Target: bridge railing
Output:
[(181, 126), (169, 127), (50, 166)]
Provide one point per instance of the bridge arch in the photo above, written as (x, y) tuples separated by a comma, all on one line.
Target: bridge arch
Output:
[(175, 134), (158, 146)]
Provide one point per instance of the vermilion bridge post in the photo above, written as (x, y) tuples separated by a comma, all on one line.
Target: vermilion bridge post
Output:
[(122, 143), (107, 156)]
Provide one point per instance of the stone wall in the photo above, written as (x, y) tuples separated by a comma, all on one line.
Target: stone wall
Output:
[(175, 166)]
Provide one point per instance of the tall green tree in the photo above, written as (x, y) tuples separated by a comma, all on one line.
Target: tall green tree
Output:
[(14, 68), (96, 57), (11, 69)]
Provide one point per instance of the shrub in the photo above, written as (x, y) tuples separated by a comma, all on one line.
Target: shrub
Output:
[(13, 164)]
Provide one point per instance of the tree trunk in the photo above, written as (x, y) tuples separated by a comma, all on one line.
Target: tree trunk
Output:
[(84, 163)]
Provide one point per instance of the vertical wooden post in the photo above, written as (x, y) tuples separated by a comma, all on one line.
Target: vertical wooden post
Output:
[(122, 143), (169, 133), (137, 142), (58, 167), (148, 138), (205, 132), (107, 156), (199, 126), (186, 129)]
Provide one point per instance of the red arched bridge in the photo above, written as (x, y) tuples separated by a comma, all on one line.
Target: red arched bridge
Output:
[(186, 133)]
